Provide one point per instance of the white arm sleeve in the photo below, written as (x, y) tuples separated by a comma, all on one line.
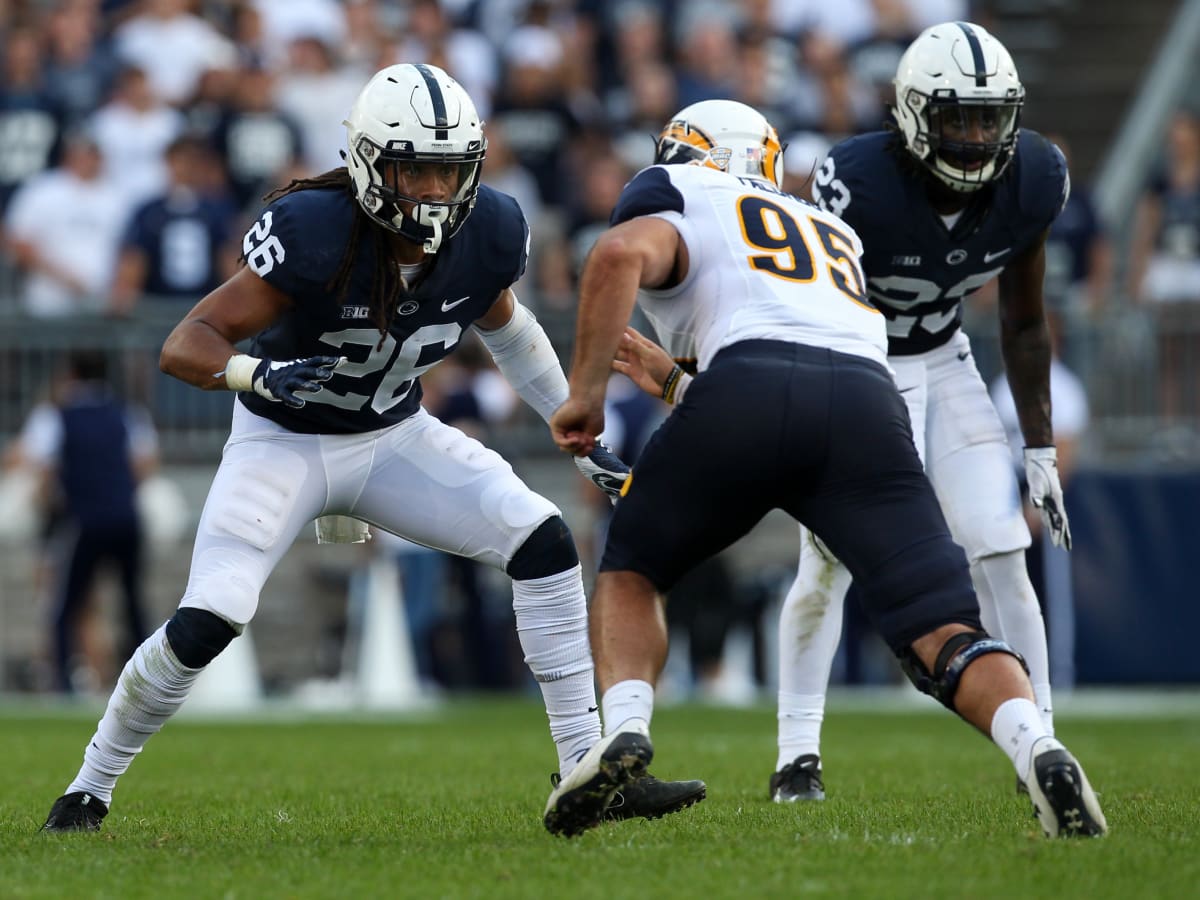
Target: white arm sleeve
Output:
[(527, 361)]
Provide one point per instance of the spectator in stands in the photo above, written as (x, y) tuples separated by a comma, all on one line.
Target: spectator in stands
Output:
[(317, 90), (257, 141), (1078, 254), (1166, 251), (179, 245), (282, 22), (430, 36), (80, 67), (1165, 262), (63, 229), (532, 109), (649, 97), (708, 55), (30, 120), (172, 46), (766, 77), (95, 449), (133, 130)]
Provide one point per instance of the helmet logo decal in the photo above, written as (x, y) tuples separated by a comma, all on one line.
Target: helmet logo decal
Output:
[(721, 156), (976, 54)]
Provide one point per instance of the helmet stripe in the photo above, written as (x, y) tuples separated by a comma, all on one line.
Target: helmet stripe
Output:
[(976, 53), (435, 96)]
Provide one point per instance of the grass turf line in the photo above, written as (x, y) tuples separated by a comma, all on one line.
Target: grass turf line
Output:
[(450, 805)]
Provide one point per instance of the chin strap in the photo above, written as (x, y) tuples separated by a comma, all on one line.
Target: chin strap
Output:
[(433, 243)]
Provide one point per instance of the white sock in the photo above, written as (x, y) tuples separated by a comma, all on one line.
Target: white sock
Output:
[(1009, 609), (800, 718), (1016, 727), (153, 684), (628, 706), (552, 623), (810, 627)]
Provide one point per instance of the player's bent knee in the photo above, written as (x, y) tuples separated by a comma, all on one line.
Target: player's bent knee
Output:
[(548, 551), (959, 651), (196, 636)]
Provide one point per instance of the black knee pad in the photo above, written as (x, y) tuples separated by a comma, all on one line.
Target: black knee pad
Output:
[(197, 636), (957, 653), (548, 551)]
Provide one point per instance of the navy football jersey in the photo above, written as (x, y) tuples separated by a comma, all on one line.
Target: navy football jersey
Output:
[(297, 246), (918, 270)]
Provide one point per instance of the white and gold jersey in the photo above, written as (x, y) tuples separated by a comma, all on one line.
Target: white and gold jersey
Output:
[(762, 265)]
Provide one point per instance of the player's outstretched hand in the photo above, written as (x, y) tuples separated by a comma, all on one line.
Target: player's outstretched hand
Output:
[(604, 469), (575, 424), (1046, 493), (644, 362), (285, 381)]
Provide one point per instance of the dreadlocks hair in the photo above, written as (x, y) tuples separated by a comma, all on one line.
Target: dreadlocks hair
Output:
[(386, 287)]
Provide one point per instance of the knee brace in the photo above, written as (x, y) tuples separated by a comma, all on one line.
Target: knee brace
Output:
[(957, 653), (196, 636), (548, 551)]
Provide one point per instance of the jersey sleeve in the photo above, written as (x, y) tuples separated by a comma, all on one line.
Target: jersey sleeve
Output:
[(299, 240), (651, 191), (1045, 182), (507, 234)]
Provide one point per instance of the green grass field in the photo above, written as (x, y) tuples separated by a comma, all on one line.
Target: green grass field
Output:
[(449, 804)]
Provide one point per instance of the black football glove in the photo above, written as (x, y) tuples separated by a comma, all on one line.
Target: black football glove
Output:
[(283, 381)]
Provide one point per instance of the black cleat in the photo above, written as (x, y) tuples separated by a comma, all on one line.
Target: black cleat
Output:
[(78, 811), (650, 798), (578, 802), (798, 780), (1063, 801)]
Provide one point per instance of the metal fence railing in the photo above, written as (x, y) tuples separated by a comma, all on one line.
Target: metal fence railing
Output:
[(1140, 366)]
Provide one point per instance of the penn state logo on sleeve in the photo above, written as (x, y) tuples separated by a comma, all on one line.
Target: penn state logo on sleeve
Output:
[(299, 239), (650, 191)]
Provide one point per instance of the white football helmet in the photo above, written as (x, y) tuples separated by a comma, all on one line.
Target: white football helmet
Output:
[(958, 104), (724, 135), (414, 113)]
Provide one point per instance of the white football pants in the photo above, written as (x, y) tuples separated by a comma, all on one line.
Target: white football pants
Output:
[(420, 479)]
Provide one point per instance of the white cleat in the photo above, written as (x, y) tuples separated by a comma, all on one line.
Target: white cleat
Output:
[(1063, 800), (579, 801)]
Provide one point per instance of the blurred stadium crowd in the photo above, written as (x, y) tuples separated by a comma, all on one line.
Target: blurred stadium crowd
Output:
[(137, 138), (142, 135)]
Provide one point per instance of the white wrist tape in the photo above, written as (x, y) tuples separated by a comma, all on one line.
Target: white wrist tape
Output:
[(527, 361), (239, 372)]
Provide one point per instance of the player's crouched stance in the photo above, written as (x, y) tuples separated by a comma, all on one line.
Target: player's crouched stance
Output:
[(356, 282), (795, 408)]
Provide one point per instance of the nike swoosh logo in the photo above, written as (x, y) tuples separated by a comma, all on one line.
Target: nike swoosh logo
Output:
[(964, 354), (991, 255), (448, 305)]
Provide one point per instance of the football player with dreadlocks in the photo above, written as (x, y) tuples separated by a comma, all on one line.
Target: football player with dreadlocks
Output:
[(355, 283)]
